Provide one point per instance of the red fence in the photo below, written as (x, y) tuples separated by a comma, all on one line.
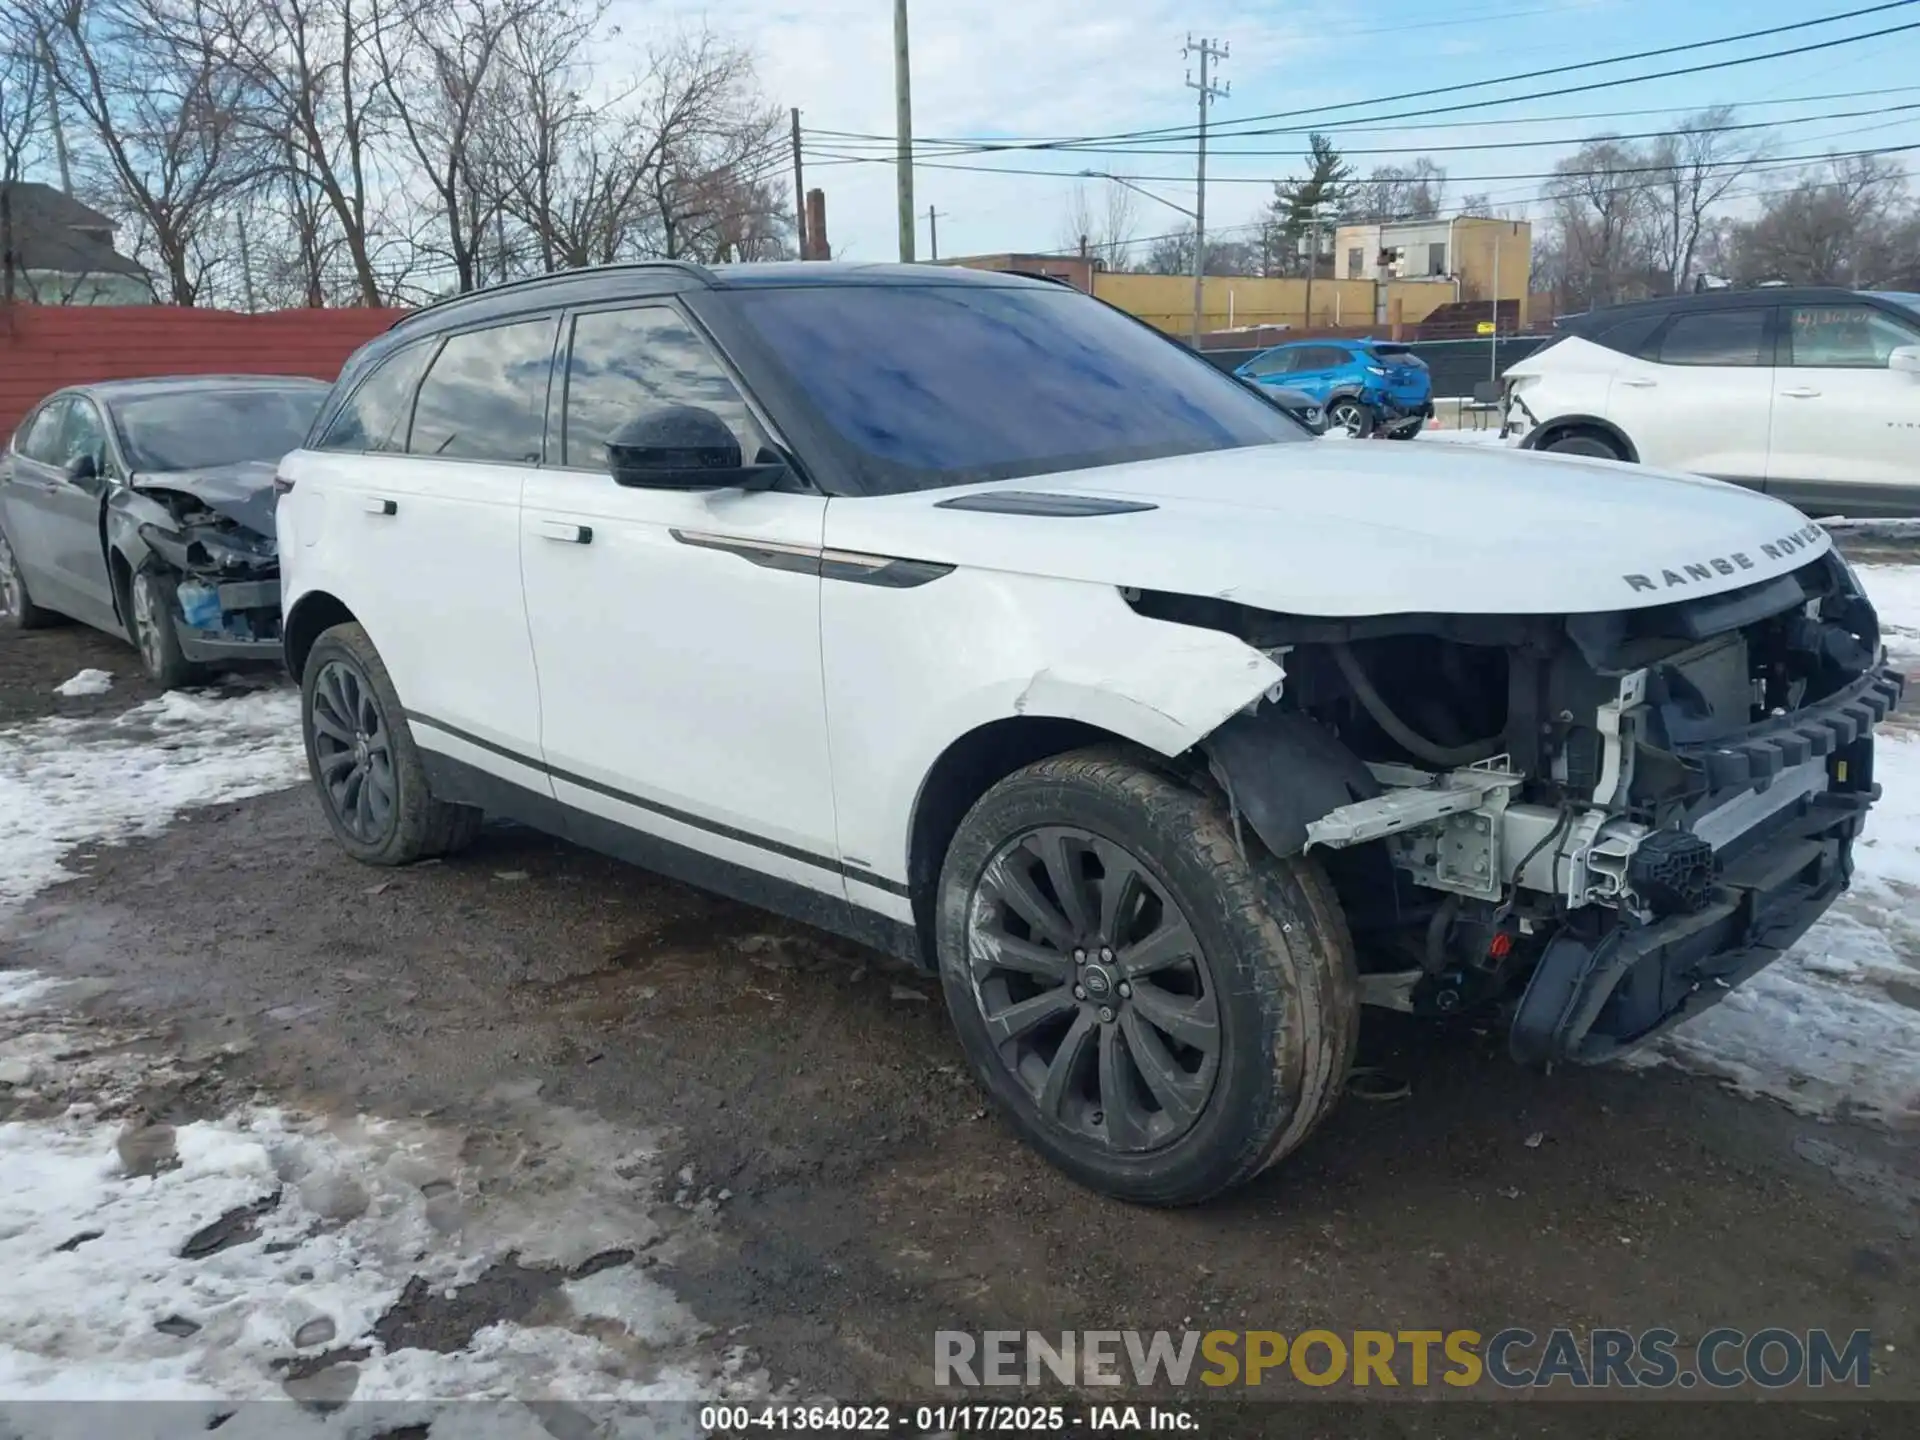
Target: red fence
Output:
[(43, 347)]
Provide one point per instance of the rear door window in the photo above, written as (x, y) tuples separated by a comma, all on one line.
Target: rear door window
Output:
[(1630, 337), (376, 415), (40, 436), (1716, 337), (485, 395)]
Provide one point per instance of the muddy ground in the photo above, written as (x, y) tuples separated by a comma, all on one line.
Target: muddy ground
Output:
[(874, 1200)]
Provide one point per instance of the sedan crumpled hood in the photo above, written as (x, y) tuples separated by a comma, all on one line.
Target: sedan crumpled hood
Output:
[(1339, 528), (242, 492)]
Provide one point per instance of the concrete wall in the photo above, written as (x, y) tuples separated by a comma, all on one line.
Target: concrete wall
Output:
[(45, 347), (1166, 301)]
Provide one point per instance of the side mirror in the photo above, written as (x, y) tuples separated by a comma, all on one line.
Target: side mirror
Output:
[(83, 467), (683, 447), (1905, 358)]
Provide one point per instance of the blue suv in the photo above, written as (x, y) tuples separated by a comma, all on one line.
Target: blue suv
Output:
[(1365, 387)]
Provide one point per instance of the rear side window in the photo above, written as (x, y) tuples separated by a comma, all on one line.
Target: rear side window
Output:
[(624, 363), (1630, 337), (485, 395), (1716, 337), (375, 415)]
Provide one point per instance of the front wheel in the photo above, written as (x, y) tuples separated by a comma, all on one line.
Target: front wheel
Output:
[(1159, 1011), (1350, 416), (364, 763), (155, 634), (1585, 442)]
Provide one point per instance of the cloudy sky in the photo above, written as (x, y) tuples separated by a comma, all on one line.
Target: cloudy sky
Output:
[(989, 68)]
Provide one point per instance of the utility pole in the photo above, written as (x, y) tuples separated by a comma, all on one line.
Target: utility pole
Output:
[(1208, 51), (799, 192), (1493, 341), (246, 266), (53, 114), (1313, 259), (933, 233), (903, 129)]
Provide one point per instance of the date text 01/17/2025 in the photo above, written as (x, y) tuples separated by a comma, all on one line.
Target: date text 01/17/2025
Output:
[(945, 1419)]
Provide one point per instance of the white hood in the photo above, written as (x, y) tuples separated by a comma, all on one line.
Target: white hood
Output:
[(1367, 528)]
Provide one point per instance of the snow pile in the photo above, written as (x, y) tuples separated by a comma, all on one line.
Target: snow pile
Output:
[(252, 1255), (66, 782), (1488, 436), (87, 682), (1833, 1027)]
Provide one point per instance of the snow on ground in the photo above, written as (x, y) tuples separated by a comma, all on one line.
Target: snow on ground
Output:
[(65, 782), (87, 682), (118, 1286), (1833, 1027), (1488, 436)]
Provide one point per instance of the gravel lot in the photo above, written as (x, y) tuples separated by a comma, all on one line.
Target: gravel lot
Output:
[(822, 1186)]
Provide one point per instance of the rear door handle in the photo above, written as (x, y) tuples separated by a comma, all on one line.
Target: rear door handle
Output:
[(565, 530), (1801, 393), (380, 505)]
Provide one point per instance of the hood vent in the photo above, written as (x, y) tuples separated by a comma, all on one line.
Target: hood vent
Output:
[(1034, 502)]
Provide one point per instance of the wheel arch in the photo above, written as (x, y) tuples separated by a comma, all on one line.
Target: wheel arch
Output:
[(1561, 426), (969, 767), (313, 614)]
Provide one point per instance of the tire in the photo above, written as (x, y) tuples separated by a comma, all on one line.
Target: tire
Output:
[(153, 632), (376, 798), (1266, 978), (17, 610), (1585, 442), (1351, 416)]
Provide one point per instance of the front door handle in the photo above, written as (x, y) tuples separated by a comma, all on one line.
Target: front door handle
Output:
[(565, 530), (1639, 382), (380, 505), (1802, 393)]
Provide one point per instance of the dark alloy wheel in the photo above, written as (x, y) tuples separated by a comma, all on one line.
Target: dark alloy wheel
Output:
[(1351, 416), (352, 755), (365, 765), (1158, 1005), (17, 610), (1585, 442), (1093, 986)]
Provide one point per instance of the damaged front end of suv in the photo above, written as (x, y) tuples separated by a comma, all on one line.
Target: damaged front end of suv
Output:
[(1599, 822), (197, 549)]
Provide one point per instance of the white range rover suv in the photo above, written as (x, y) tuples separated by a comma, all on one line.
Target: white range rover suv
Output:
[(1811, 395), (966, 616)]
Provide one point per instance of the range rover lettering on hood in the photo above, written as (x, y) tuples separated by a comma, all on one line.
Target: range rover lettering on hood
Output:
[(1695, 571)]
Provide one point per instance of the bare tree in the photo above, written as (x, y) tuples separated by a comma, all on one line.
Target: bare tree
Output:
[(1601, 202), (1840, 225), (1104, 228), (1693, 169), (438, 71), (715, 141), (319, 67), (1414, 191), (23, 132), (168, 112)]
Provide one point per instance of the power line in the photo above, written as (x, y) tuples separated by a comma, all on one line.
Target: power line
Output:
[(1775, 162), (981, 145), (1493, 145)]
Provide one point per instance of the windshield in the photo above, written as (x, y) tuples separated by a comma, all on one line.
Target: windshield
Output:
[(198, 429), (933, 385)]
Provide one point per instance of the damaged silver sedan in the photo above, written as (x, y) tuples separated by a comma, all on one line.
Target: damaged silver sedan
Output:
[(145, 508)]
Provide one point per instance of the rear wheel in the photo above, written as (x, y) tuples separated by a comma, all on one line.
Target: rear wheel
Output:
[(17, 610), (1584, 442), (364, 764), (1159, 1012)]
